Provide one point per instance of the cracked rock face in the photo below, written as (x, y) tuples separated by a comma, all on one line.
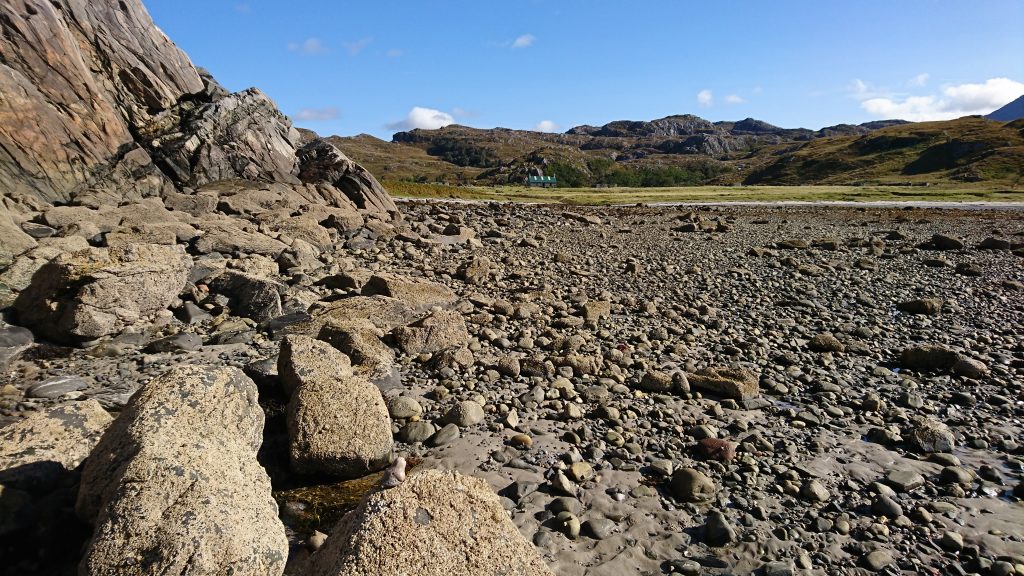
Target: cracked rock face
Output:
[(76, 77)]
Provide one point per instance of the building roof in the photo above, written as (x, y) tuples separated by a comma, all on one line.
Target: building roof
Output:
[(542, 179)]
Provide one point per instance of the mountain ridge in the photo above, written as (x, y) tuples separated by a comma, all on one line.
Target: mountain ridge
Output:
[(686, 149)]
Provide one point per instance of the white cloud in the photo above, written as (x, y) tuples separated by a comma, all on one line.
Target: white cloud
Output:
[(547, 126), (308, 46), (954, 102), (524, 41), (463, 113), (357, 46), (705, 98), (920, 79), (425, 118), (734, 99), (316, 114)]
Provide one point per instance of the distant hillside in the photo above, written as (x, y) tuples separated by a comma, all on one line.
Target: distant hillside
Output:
[(1012, 111), (688, 150), (970, 149)]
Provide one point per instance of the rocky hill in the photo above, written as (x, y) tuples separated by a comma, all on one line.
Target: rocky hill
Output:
[(1012, 111), (687, 150)]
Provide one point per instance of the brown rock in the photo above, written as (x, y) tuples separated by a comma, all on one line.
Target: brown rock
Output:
[(737, 383), (102, 291)]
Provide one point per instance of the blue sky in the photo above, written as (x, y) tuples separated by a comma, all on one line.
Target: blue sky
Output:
[(376, 66)]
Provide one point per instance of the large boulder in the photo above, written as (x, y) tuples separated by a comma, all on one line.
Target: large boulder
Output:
[(36, 452), (174, 487), (242, 135), (436, 523), (101, 291), (250, 296), (338, 422)]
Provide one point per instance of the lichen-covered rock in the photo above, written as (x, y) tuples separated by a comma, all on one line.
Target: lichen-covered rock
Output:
[(37, 451), (338, 423), (303, 359), (436, 523), (737, 383), (174, 487), (361, 341), (101, 291)]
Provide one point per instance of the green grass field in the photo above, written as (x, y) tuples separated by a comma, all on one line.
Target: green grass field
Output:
[(607, 196)]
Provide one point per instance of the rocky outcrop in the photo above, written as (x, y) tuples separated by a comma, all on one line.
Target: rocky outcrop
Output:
[(100, 291), (100, 107), (77, 77), (241, 135), (322, 162), (441, 523), (174, 486)]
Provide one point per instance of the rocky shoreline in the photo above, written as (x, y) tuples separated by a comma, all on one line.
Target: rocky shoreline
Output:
[(813, 390)]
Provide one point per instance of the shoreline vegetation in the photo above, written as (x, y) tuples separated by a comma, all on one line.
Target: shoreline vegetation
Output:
[(706, 194)]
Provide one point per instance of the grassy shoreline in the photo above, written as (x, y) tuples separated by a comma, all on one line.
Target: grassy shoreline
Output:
[(710, 194)]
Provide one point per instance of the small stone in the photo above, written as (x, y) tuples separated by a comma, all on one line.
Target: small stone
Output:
[(877, 561), (445, 435), (886, 506), (904, 480), (814, 491), (569, 524), (521, 441), (465, 414), (580, 471), (691, 485), (951, 541), (779, 568), (599, 528), (184, 342), (404, 407), (717, 530), (417, 432), (956, 475)]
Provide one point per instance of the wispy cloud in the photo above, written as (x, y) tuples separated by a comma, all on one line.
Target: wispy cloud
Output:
[(463, 113), (308, 46), (524, 41), (243, 8), (547, 126), (954, 101), (919, 80), (354, 48), (734, 99), (317, 114), (425, 118), (705, 98), (394, 53)]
